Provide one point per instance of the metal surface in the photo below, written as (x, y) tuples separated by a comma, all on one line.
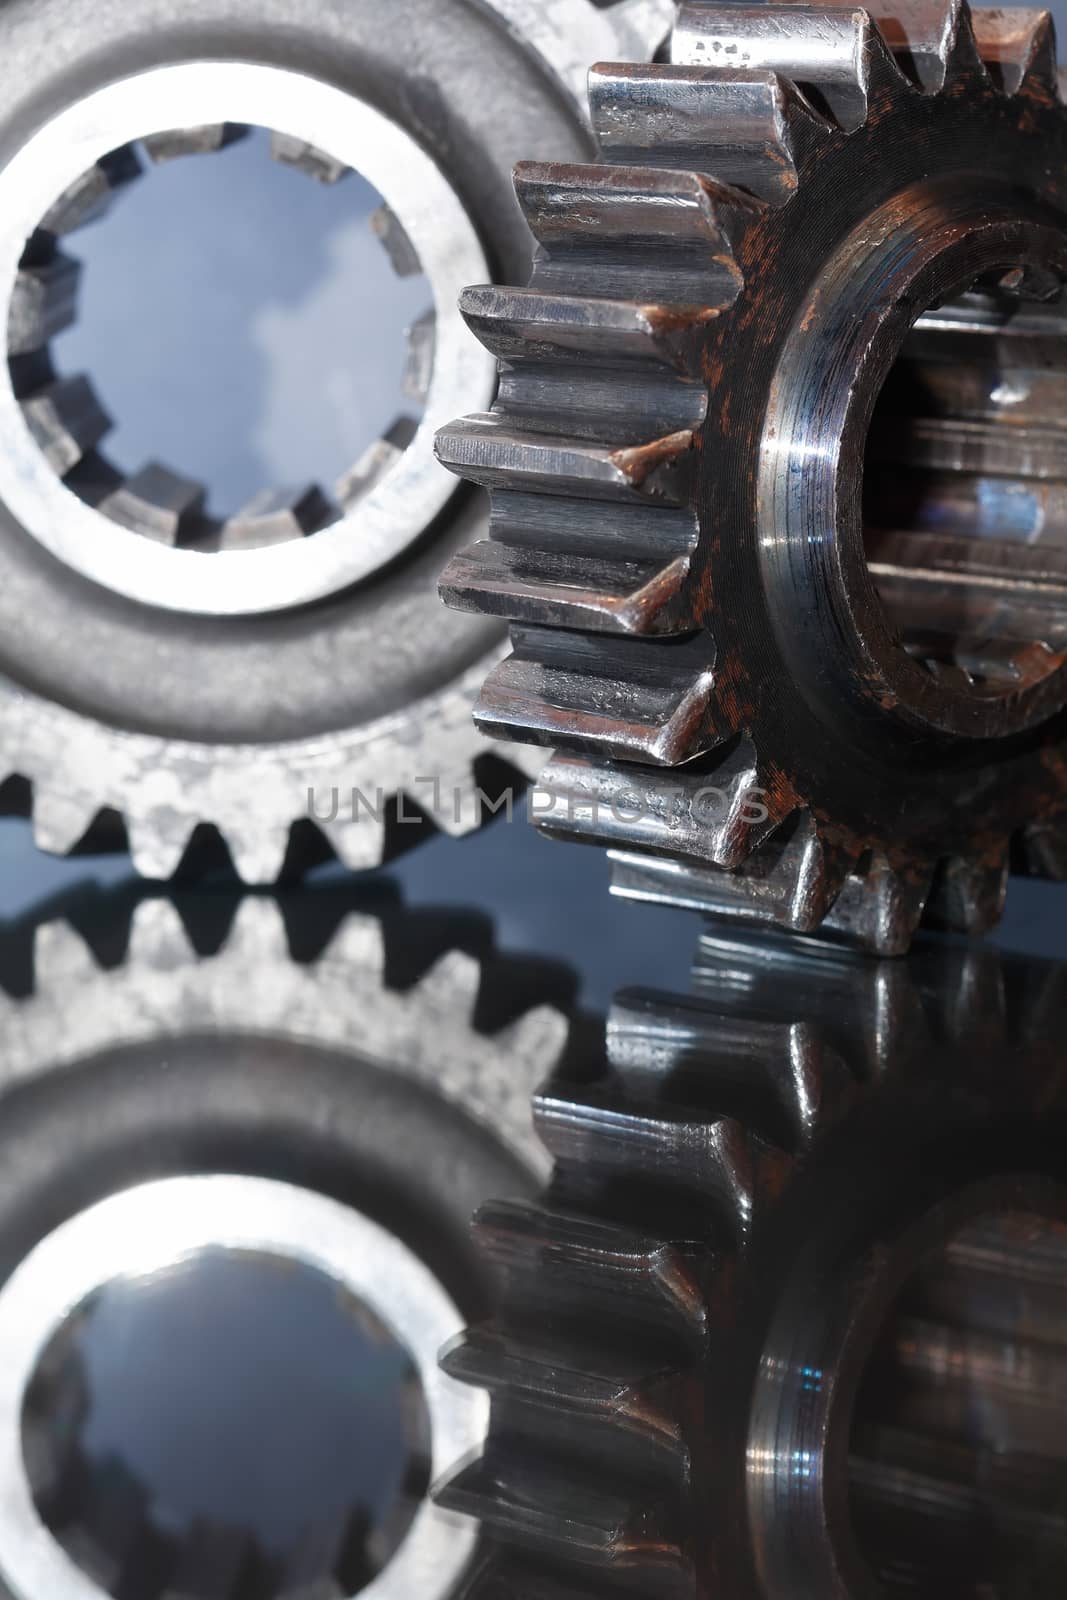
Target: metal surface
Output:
[(304, 1109), (777, 464), (792, 1321), (180, 670)]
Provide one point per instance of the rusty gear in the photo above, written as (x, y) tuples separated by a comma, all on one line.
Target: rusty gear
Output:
[(788, 1322), (778, 469)]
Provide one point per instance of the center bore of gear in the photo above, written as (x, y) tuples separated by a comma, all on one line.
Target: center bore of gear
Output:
[(69, 423), (110, 1506)]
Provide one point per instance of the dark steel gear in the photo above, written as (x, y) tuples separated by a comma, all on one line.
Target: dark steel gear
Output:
[(778, 469), (792, 1321)]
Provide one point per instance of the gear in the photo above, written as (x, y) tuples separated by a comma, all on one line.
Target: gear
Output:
[(778, 473), (181, 671), (792, 1319), (311, 1097)]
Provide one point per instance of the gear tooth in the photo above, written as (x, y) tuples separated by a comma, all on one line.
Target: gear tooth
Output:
[(749, 130), (528, 760), (157, 844), (655, 1041), (536, 1040), (453, 983), (200, 141), (791, 880), (43, 303), (606, 231), (259, 852), (536, 326), (968, 896), (959, 48), (89, 198), (548, 1376), (561, 1517), (1043, 847), (158, 938), (312, 161), (1019, 50), (880, 908), (491, 451), (605, 1137), (278, 516), (642, 26), (59, 822), (158, 503), (825, 49), (359, 842), (376, 462), (718, 815), (622, 1274), (358, 946), (66, 421), (607, 594), (633, 700), (258, 932), (421, 349), (60, 956)]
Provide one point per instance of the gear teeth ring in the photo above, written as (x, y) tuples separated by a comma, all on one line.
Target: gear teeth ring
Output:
[(718, 357)]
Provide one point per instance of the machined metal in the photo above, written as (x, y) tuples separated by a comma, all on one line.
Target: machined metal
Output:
[(791, 1321), (179, 669), (177, 1105), (777, 467)]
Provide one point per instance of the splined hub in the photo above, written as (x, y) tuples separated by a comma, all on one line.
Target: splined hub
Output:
[(777, 469)]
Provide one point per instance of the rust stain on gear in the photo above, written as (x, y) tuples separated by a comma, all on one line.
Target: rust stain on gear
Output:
[(779, 469)]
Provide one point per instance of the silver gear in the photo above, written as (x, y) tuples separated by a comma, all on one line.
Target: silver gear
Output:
[(172, 1066), (297, 649)]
